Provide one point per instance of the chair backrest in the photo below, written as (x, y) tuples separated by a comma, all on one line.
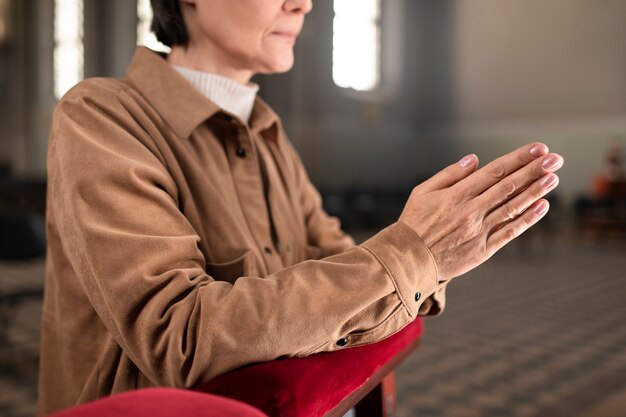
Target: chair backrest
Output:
[(162, 402), (22, 236)]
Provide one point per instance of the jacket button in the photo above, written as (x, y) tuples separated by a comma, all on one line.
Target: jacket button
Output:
[(241, 152), (342, 342), (267, 250), (418, 295)]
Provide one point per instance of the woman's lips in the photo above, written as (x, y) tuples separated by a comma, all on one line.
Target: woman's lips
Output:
[(288, 36)]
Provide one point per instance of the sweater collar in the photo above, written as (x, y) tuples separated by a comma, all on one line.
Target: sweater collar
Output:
[(182, 105), (234, 97)]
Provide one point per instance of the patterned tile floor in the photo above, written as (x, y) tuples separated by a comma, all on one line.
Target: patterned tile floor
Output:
[(539, 331), (19, 339)]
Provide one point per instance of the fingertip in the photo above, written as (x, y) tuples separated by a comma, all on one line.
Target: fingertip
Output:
[(538, 149), (549, 181), (468, 160), (553, 162)]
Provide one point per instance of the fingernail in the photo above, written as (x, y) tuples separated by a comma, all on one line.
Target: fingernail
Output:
[(467, 161), (552, 162), (541, 208), (538, 150), (548, 182)]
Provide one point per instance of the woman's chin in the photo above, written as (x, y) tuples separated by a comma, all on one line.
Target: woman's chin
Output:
[(279, 64)]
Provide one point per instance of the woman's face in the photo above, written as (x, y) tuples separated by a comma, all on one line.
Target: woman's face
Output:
[(255, 36)]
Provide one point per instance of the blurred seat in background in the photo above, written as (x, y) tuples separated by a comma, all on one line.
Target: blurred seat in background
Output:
[(604, 211), (22, 212), (22, 236), (364, 209), (22, 239)]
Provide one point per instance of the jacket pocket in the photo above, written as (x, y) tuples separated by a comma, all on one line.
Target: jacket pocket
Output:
[(229, 271), (395, 322), (397, 319)]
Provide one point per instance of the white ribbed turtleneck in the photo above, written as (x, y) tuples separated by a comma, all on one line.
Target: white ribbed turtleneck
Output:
[(230, 95)]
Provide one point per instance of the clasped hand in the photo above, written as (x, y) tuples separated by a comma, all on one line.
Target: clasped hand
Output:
[(465, 215)]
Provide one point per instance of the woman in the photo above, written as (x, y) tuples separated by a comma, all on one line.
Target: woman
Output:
[(185, 239)]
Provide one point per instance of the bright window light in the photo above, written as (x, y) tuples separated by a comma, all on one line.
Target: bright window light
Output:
[(5, 12), (68, 45), (356, 44), (144, 35)]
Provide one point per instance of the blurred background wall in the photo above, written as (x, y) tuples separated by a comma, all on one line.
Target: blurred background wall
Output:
[(27, 67), (549, 70), (463, 76), (457, 77)]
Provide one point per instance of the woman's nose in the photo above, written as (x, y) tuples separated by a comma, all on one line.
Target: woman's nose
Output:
[(298, 6)]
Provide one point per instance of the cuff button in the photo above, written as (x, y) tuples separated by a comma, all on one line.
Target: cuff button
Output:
[(342, 342), (418, 295)]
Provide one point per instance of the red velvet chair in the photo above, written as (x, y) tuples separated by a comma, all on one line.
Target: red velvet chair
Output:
[(325, 384), (162, 402), (321, 385)]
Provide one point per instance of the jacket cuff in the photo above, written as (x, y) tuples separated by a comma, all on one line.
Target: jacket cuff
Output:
[(409, 263), (435, 304)]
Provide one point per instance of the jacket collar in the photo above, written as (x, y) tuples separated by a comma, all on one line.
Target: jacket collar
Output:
[(182, 106)]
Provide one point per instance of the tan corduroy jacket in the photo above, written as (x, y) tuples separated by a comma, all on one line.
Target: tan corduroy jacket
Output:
[(184, 243)]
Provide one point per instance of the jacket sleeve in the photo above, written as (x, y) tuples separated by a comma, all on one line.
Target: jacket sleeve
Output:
[(138, 262), (324, 231)]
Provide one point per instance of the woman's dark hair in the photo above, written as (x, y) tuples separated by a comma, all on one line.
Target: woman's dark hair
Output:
[(167, 22)]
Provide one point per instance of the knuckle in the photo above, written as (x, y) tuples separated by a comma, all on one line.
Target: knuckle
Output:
[(510, 212), (536, 193), (446, 175), (527, 221), (508, 188), (496, 170), (449, 171), (416, 191), (510, 233)]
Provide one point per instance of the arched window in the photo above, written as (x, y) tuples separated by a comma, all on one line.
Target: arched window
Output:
[(144, 35), (356, 44), (69, 57)]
